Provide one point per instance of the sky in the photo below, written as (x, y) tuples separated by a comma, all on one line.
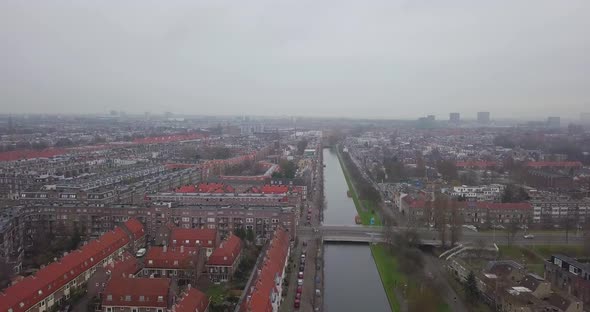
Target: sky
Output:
[(345, 58)]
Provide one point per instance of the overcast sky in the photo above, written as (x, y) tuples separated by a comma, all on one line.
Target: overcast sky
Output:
[(375, 58)]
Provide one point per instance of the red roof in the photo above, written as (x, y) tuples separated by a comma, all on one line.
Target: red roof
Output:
[(497, 206), (562, 164), (214, 188), (135, 227), (168, 138), (275, 189), (476, 164), (29, 154), (272, 268), (118, 288), (52, 277), (227, 253), (193, 300), (193, 237), (126, 266), (171, 258), (186, 189)]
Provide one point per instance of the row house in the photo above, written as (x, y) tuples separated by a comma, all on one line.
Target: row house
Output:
[(124, 294), (192, 300), (182, 263), (554, 209), (224, 261), (53, 283), (265, 289), (478, 193), (569, 275)]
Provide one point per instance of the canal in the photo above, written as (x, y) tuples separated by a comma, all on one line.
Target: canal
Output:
[(351, 282)]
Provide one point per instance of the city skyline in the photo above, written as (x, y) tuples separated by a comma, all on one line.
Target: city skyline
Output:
[(379, 60)]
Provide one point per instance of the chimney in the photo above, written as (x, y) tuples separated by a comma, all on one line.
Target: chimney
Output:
[(188, 287), (165, 248)]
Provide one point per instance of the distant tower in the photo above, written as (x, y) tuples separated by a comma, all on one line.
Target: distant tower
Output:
[(483, 117), (553, 122), (454, 117), (430, 117)]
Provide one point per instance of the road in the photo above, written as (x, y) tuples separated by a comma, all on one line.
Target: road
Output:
[(467, 236), (435, 266), (313, 254)]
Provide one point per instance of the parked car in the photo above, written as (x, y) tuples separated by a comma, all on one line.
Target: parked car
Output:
[(141, 252), (297, 303), (298, 296), (529, 236), (300, 275), (300, 282), (299, 289)]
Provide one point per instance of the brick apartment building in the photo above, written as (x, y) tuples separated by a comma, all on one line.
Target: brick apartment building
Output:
[(55, 282), (182, 263), (224, 261), (137, 295)]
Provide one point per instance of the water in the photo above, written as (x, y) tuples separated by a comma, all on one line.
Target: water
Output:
[(340, 209), (352, 282)]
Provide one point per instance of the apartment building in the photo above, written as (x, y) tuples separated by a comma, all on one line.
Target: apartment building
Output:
[(54, 283)]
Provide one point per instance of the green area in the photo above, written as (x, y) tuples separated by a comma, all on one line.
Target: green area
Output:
[(390, 275), (365, 208), (460, 290), (569, 250), (532, 260)]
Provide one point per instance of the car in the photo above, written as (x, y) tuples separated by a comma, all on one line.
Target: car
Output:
[(529, 236), (300, 282), (297, 303), (140, 253), (300, 275), (298, 296), (299, 289)]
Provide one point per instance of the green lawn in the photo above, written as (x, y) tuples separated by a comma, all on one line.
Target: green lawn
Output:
[(364, 208), (534, 263), (390, 276), (572, 251)]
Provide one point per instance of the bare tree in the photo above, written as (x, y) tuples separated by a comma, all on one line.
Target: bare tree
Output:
[(569, 223), (456, 222), (440, 217), (512, 229)]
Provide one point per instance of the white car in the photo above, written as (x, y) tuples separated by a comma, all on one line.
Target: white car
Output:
[(140, 253), (300, 282), (529, 236)]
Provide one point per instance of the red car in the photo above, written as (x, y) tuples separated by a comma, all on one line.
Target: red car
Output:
[(297, 303), (299, 289), (298, 296)]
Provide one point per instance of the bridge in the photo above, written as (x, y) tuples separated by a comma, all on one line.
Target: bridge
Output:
[(375, 234)]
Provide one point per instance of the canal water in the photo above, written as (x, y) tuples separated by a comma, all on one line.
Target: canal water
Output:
[(351, 282)]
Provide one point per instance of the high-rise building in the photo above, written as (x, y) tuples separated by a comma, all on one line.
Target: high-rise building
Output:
[(454, 117), (430, 117), (483, 117), (553, 122)]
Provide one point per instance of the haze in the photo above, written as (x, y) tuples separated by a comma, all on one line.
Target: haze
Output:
[(386, 59)]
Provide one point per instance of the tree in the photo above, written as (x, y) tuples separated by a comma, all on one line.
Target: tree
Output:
[(514, 194), (301, 145), (288, 168), (5, 273), (447, 169), (456, 222), (512, 229), (250, 236), (440, 217), (568, 223), (471, 291)]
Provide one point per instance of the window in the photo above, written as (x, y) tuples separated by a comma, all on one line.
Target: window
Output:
[(141, 298), (150, 262), (133, 309), (175, 262), (109, 297), (109, 309), (160, 298), (127, 298)]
